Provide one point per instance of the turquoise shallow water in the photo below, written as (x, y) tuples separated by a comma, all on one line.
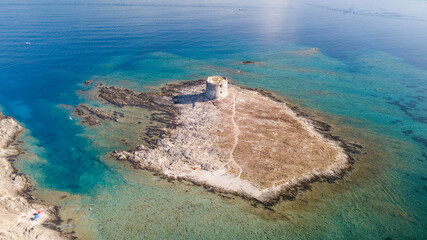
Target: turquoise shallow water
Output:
[(368, 79)]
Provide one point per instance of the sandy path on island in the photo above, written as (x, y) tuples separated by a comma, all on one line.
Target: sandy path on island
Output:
[(236, 138)]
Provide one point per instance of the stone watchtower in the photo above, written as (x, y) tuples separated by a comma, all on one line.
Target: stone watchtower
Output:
[(216, 87)]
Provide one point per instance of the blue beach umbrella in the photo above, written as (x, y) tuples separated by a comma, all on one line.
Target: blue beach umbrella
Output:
[(36, 216)]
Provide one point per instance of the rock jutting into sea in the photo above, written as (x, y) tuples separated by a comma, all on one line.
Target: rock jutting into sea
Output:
[(93, 116), (247, 142), (17, 214)]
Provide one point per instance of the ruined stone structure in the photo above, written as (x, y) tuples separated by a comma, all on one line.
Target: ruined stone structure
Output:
[(216, 87)]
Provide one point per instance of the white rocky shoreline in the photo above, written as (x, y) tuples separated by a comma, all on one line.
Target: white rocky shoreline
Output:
[(16, 212)]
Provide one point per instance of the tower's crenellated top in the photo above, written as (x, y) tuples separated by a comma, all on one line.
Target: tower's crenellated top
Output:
[(216, 87)]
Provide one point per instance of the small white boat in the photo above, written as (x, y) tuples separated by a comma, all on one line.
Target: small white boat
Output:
[(27, 43)]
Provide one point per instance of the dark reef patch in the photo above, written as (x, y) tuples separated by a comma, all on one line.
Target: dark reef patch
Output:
[(420, 140), (421, 119), (420, 98), (93, 116), (407, 132), (409, 106), (424, 155), (405, 109)]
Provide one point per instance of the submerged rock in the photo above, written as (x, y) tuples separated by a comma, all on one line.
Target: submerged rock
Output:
[(88, 82), (99, 113), (92, 116), (248, 62)]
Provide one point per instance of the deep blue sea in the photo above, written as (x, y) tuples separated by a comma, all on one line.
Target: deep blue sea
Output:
[(368, 79)]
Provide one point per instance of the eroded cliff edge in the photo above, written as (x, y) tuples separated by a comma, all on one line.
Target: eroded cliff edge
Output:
[(248, 143)]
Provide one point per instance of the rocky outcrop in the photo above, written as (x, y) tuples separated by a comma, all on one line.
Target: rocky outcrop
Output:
[(99, 113), (88, 82), (93, 116), (9, 130), (158, 103), (16, 213)]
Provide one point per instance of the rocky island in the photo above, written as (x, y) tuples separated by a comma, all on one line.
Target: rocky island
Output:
[(233, 139)]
